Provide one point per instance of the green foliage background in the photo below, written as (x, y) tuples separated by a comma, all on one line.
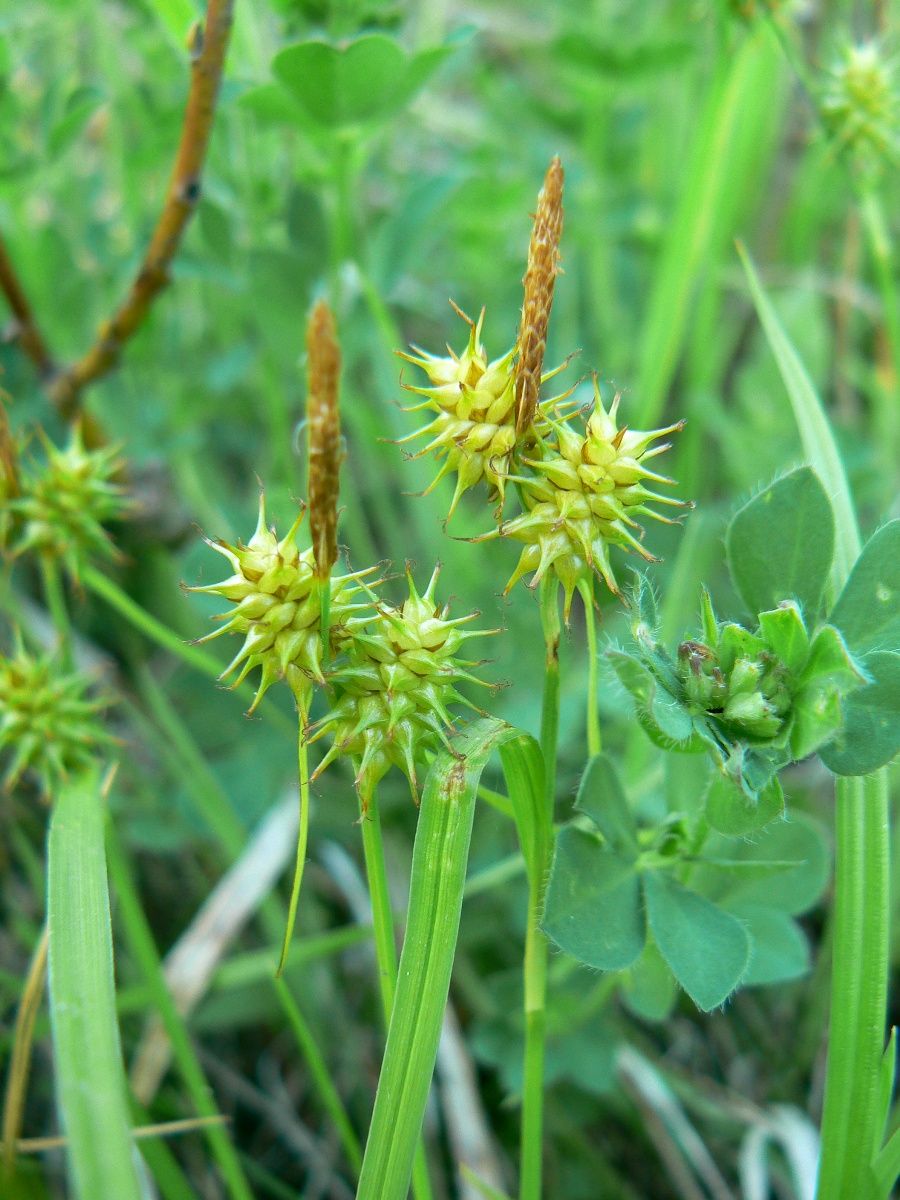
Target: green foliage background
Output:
[(681, 127)]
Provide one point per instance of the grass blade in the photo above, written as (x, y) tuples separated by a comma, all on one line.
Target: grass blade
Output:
[(90, 1076), (438, 876)]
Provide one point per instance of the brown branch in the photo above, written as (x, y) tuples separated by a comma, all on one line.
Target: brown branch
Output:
[(208, 45), (24, 328)]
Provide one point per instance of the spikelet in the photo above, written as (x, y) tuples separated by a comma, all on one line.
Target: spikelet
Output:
[(324, 427), (65, 501), (278, 610), (586, 494), (860, 106), (48, 725), (396, 688), (539, 282)]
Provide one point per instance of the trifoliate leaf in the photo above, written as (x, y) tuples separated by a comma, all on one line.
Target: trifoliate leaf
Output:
[(780, 545), (731, 811), (799, 844), (649, 989), (870, 736), (868, 609), (707, 949), (602, 798), (779, 949), (593, 903)]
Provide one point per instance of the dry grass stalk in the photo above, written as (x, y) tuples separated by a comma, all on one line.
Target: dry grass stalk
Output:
[(324, 427), (539, 281)]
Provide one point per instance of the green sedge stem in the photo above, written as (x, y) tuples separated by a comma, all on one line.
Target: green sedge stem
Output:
[(382, 913), (302, 839), (437, 880), (386, 947), (879, 239), (56, 604), (594, 742), (213, 804), (321, 1076), (536, 949)]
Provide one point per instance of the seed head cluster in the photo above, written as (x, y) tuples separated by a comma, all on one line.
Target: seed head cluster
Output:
[(582, 479), (49, 726), (861, 108), (65, 501)]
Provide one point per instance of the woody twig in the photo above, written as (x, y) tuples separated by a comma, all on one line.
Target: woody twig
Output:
[(208, 45)]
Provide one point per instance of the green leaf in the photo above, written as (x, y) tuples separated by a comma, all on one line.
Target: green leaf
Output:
[(868, 609), (870, 736), (593, 903), (523, 769), (799, 839), (785, 634), (707, 948), (440, 855), (602, 798), (780, 545), (649, 988), (90, 1077), (818, 440), (779, 949), (656, 711), (365, 80), (731, 811)]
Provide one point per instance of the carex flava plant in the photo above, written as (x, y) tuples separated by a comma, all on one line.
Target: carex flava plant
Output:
[(387, 675)]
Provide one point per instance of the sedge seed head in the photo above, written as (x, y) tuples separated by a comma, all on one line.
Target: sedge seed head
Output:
[(397, 686), (860, 106), (324, 427), (539, 282), (49, 725), (64, 502), (588, 492), (278, 605)]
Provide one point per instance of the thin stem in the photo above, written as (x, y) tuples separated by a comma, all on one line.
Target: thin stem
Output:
[(20, 1057), (382, 913), (302, 839), (536, 948), (594, 742), (56, 603), (881, 249), (321, 1076), (386, 945)]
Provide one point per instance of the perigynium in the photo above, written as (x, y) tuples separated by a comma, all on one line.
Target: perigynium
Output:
[(395, 689), (276, 593), (49, 725), (586, 493), (64, 502)]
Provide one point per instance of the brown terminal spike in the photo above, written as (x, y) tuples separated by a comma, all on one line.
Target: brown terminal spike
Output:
[(324, 428), (539, 281)]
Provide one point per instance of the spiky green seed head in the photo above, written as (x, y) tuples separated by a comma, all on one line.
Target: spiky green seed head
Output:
[(278, 605), (474, 429), (49, 726), (398, 686), (588, 492), (860, 105), (65, 501)]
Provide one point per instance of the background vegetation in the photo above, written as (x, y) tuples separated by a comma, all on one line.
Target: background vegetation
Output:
[(681, 127)]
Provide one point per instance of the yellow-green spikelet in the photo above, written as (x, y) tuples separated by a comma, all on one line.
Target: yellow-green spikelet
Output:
[(48, 724), (276, 593), (394, 694), (586, 495)]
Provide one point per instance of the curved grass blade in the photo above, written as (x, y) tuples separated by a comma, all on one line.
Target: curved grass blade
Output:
[(90, 1077), (438, 876)]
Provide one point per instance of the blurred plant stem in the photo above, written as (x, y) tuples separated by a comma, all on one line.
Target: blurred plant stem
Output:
[(386, 945), (55, 596), (887, 408), (594, 741), (536, 945)]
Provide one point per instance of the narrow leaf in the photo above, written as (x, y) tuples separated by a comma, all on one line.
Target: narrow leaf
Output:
[(90, 1077)]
